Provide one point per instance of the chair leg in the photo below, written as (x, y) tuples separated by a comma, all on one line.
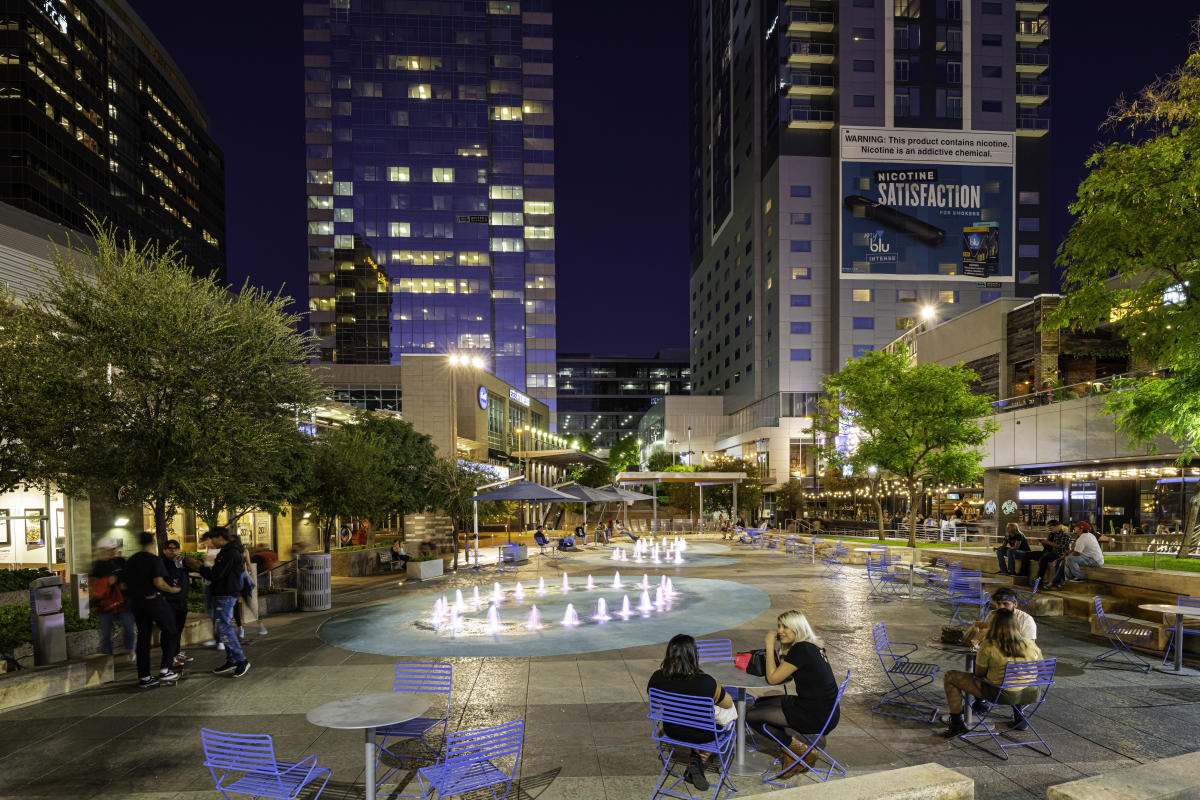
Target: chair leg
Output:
[(1170, 641)]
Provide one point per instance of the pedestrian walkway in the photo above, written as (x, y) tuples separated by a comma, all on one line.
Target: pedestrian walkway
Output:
[(587, 734)]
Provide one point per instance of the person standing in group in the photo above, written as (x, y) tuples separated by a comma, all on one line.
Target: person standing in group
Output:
[(177, 576), (104, 582), (145, 577), (226, 575)]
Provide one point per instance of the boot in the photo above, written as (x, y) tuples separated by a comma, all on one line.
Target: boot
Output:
[(1018, 722), (792, 765), (957, 726)]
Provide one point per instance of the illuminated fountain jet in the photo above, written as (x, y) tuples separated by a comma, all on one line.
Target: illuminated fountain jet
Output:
[(533, 622), (455, 621), (458, 601), (678, 557), (659, 600), (440, 612), (566, 584), (616, 584), (570, 618), (670, 589), (626, 612), (645, 581), (591, 584), (616, 556), (601, 614), (645, 606), (475, 601), (497, 593), (519, 592), (541, 590), (493, 620)]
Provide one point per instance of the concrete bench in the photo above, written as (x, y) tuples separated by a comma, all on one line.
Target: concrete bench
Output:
[(34, 684), (1166, 779), (921, 782)]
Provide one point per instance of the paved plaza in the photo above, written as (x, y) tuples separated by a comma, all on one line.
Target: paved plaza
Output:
[(587, 735)]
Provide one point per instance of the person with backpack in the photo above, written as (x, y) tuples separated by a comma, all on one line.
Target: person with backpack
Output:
[(226, 574), (104, 584)]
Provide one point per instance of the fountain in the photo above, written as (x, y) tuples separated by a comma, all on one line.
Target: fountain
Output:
[(616, 556), (566, 587), (570, 618), (497, 593), (626, 612), (455, 621), (591, 584), (475, 598), (616, 584), (541, 590), (645, 581), (601, 614), (645, 606), (670, 589), (654, 556), (458, 600), (519, 592), (439, 613), (659, 601), (678, 557), (493, 620), (533, 622)]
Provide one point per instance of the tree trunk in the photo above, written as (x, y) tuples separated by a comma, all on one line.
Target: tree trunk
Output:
[(370, 533), (1190, 521), (878, 515), (160, 521), (454, 533), (912, 521)]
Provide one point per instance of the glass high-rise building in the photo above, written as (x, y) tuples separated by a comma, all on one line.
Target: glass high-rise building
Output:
[(96, 117), (859, 167), (430, 183)]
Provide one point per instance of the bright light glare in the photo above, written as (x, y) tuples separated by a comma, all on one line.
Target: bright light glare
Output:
[(927, 312)]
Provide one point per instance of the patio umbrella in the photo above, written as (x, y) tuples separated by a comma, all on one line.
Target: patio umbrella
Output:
[(629, 496), (589, 495), (518, 490)]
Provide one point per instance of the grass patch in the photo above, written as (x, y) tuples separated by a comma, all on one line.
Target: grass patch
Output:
[(1164, 562)]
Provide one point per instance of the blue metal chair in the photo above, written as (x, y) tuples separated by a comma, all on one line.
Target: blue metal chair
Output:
[(937, 578), (834, 559), (1123, 634), (426, 678), (965, 589), (714, 650), (545, 544), (1180, 600), (885, 583), (813, 739), (471, 760), (689, 711), (908, 678), (1025, 598), (246, 763), (1024, 687)]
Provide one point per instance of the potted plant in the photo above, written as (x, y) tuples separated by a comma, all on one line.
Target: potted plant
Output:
[(424, 567)]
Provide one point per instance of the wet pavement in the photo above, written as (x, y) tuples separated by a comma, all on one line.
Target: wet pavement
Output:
[(586, 729)]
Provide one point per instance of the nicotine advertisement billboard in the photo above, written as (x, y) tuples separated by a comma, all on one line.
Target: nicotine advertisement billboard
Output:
[(926, 204)]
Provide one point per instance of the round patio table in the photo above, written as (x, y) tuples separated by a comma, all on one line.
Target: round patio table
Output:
[(370, 711), (746, 760), (1180, 612)]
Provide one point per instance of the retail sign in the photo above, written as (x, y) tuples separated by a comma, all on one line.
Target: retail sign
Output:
[(517, 397), (59, 18), (926, 204), (483, 397)]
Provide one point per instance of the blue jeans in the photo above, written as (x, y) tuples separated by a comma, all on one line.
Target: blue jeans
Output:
[(1008, 557), (225, 632), (1075, 562), (106, 626)]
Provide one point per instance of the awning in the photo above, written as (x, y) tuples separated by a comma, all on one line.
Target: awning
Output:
[(560, 458)]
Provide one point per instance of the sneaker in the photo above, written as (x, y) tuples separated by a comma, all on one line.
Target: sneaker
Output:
[(241, 669), (168, 675), (1018, 722), (132, 658), (210, 643), (695, 773), (148, 682), (183, 658), (980, 706), (228, 666), (220, 645), (262, 630), (241, 633)]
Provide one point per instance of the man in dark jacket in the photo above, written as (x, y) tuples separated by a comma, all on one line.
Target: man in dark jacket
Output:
[(177, 575), (226, 576)]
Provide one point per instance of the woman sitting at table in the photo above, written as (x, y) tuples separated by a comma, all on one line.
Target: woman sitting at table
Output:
[(1004, 643), (680, 673), (816, 691)]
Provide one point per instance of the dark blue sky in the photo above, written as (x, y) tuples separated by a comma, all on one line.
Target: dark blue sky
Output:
[(621, 141)]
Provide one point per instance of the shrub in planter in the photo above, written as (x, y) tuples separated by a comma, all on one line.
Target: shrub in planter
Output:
[(18, 580)]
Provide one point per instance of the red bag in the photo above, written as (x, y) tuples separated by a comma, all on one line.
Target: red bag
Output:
[(740, 660)]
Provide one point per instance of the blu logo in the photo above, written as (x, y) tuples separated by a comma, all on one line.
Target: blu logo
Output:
[(876, 244)]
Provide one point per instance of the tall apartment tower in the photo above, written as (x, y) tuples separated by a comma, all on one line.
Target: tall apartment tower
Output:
[(430, 183), (95, 117), (857, 166)]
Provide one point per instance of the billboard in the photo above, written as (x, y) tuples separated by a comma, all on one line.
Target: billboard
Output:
[(926, 204)]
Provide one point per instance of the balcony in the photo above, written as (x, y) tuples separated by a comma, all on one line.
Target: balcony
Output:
[(1032, 31), (805, 117), (807, 21), (1032, 126), (806, 52), (806, 83), (1032, 94), (1031, 6), (1030, 63)]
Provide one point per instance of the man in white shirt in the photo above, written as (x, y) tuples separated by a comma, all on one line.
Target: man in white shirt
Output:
[(1086, 553)]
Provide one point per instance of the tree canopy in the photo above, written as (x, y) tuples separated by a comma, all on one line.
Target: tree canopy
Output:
[(129, 376), (917, 422)]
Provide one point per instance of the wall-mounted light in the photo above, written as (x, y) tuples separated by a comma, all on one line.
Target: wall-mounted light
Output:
[(120, 522)]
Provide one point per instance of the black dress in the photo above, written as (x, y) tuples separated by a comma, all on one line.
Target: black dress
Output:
[(815, 690), (699, 685)]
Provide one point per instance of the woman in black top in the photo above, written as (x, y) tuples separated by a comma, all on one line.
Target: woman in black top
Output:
[(680, 673), (806, 711)]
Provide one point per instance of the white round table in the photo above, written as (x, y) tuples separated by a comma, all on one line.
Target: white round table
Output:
[(746, 761), (1180, 612), (370, 711)]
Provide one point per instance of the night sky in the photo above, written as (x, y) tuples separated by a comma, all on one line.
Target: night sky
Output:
[(621, 72)]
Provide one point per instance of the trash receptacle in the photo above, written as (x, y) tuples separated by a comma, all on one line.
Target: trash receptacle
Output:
[(49, 625), (315, 577)]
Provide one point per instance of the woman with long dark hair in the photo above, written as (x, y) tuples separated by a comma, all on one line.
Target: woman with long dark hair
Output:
[(680, 673), (815, 697), (1005, 642)]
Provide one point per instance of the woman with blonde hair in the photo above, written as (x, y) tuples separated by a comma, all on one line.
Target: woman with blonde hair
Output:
[(1004, 643), (806, 710)]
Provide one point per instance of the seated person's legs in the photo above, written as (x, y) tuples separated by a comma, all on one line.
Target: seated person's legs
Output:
[(1045, 560), (1004, 558), (957, 684)]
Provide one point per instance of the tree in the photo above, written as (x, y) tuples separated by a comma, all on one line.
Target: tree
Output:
[(749, 492), (623, 455), (791, 497), (1130, 260), (453, 485), (917, 422), (129, 377), (660, 460), (408, 468)]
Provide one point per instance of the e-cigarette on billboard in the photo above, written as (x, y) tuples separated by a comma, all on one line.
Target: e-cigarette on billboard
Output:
[(933, 204)]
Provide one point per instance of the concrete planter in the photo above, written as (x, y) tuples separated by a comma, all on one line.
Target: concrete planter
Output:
[(425, 570), (277, 603), (356, 563)]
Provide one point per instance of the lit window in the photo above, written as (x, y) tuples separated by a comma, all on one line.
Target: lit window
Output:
[(767, 206), (343, 241), (343, 215), (904, 323), (860, 295), (533, 207), (539, 232), (399, 229), (506, 113), (507, 192), (506, 245), (906, 295), (343, 188), (320, 176), (770, 281), (322, 228), (801, 273), (397, 173), (419, 91), (508, 218), (947, 296), (443, 174)]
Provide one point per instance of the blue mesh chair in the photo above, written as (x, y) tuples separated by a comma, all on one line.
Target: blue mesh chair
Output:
[(834, 559), (908, 678), (1024, 687), (477, 759), (426, 678), (1180, 600), (246, 763), (688, 711), (1123, 634), (886, 583), (772, 775)]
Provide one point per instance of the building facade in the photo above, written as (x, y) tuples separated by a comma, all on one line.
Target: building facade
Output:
[(857, 166), (97, 118), (605, 396), (430, 183)]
